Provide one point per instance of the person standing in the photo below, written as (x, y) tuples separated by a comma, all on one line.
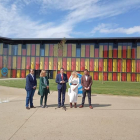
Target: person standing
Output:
[(43, 88), (74, 82), (30, 88), (61, 80), (86, 82)]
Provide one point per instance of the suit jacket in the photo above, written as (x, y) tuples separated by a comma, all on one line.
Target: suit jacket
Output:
[(58, 79), (42, 86), (30, 83), (87, 83)]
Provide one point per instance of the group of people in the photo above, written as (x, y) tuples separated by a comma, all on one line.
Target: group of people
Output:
[(61, 80)]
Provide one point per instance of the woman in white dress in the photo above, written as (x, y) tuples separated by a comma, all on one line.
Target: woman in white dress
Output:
[(74, 82)]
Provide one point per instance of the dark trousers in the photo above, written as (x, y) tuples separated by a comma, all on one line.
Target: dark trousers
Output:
[(89, 96), (45, 94), (29, 97), (61, 91)]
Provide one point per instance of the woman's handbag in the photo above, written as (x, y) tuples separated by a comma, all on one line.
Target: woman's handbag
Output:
[(69, 91)]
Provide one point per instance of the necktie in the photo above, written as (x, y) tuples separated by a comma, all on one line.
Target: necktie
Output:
[(62, 76)]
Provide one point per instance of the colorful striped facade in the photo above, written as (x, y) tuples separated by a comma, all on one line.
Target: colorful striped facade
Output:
[(106, 59)]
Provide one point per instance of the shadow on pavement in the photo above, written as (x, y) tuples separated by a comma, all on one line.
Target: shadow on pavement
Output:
[(86, 105), (97, 105)]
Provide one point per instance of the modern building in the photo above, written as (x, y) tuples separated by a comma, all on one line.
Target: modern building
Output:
[(110, 59)]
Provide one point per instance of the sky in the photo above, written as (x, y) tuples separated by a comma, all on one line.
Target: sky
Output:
[(69, 18)]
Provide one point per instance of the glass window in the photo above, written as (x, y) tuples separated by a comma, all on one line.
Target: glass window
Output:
[(78, 52), (5, 49), (42, 51), (15, 49)]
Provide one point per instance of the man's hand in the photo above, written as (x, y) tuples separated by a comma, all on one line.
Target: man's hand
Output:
[(87, 88), (47, 87), (62, 81), (34, 87)]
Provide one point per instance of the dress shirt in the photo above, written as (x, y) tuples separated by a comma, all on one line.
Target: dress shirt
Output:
[(32, 76), (86, 77)]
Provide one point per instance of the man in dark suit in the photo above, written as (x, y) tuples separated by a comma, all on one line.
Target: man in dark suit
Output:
[(61, 80), (31, 85), (86, 82)]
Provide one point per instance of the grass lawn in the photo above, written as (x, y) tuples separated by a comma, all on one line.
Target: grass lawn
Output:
[(108, 87)]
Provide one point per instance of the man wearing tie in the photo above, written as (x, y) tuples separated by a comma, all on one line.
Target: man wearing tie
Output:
[(31, 85), (61, 80)]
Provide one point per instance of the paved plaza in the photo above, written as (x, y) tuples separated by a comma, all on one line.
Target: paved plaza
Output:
[(112, 118)]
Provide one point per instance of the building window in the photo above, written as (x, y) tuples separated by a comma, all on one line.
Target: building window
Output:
[(78, 52), (42, 51), (15, 49), (5, 49)]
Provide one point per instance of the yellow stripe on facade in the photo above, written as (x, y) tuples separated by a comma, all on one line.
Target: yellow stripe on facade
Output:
[(14, 62), (38, 50), (109, 76), (119, 51), (100, 76), (77, 64), (114, 65), (82, 50), (129, 52), (18, 73), (10, 49), (41, 63), (133, 65), (87, 64), (32, 62), (110, 51), (128, 77), (28, 49), (91, 50), (23, 63), (55, 50), (59, 63), (65, 50), (105, 64), (68, 63), (101, 51), (46, 49), (138, 51), (1, 48), (73, 50), (50, 63), (124, 66), (96, 65)]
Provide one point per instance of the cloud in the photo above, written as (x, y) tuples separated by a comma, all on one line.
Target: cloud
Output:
[(15, 23), (112, 28)]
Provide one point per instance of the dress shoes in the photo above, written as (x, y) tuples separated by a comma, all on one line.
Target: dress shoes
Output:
[(70, 105), (28, 108), (75, 105), (91, 107), (81, 106), (43, 106)]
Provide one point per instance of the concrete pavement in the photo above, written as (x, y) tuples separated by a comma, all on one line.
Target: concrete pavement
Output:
[(113, 118)]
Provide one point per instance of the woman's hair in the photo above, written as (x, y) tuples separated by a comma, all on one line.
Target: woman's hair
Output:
[(74, 72), (42, 73)]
